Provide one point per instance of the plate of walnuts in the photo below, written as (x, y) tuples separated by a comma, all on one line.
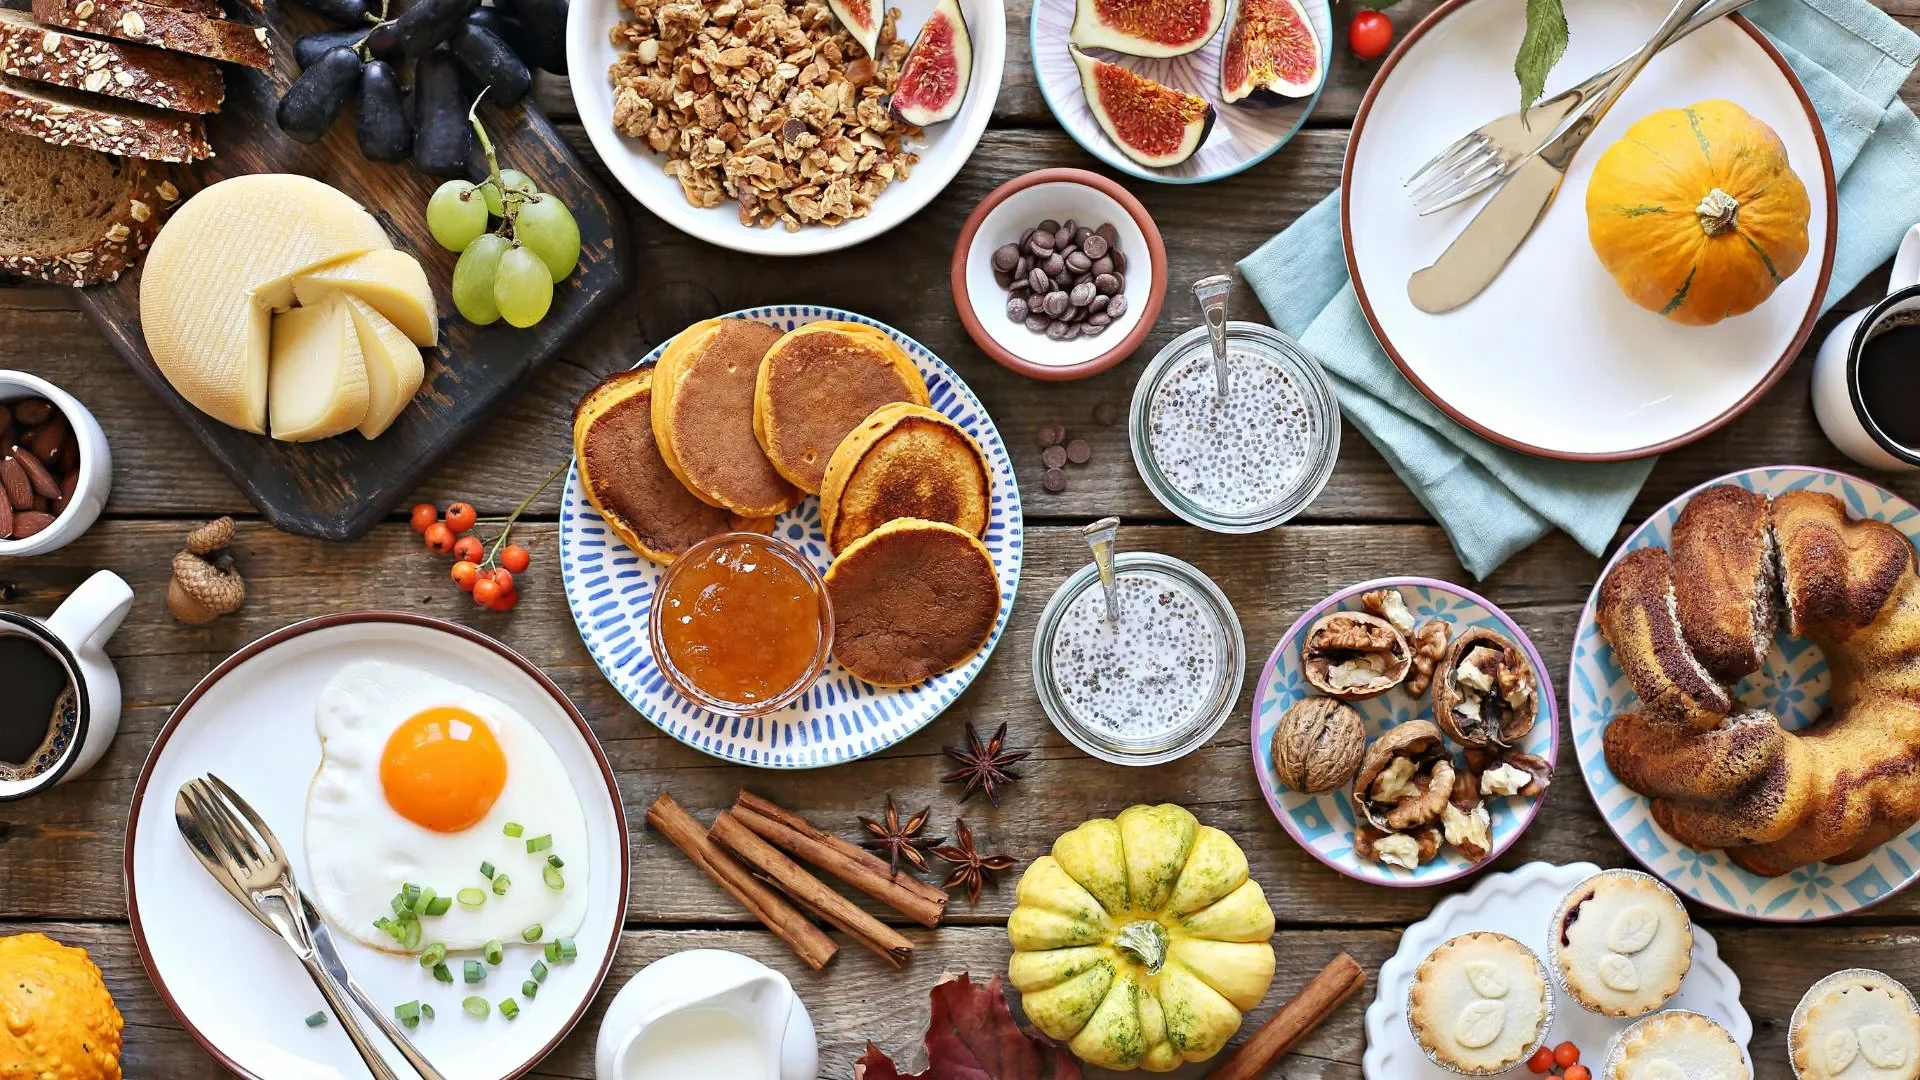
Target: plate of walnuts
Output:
[(1403, 731)]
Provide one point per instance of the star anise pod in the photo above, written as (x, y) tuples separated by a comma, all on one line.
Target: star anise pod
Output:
[(898, 839), (983, 765), (970, 868)]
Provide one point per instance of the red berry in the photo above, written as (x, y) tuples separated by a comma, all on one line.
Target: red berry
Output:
[(424, 515), (470, 548), (486, 592), (1541, 1061), (466, 574), (504, 602), (461, 516), (1577, 1072), (504, 578), (515, 558), (439, 538), (1565, 1054), (1369, 34)]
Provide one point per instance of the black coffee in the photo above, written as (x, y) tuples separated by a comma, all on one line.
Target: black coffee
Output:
[(38, 713), (1890, 382)]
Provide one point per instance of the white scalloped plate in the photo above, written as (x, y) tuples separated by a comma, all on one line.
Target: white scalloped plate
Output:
[(1521, 904)]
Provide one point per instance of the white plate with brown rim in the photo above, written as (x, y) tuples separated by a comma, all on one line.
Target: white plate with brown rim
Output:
[(237, 989), (1553, 358), (944, 148)]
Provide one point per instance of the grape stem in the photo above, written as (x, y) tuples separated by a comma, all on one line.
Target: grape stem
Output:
[(510, 200), (499, 542)]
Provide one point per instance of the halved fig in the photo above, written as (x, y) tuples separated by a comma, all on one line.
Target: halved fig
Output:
[(933, 80), (1155, 125), (1271, 54), (1146, 27), (862, 19)]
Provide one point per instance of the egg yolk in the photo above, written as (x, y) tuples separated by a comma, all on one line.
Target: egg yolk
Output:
[(442, 769)]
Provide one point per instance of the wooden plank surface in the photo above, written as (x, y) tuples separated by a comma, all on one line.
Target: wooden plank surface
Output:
[(60, 853)]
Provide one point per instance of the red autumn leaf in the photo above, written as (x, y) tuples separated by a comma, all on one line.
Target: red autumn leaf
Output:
[(973, 1037)]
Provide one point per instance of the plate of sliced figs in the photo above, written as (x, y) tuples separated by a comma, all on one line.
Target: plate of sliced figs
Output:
[(1181, 91), (1404, 731)]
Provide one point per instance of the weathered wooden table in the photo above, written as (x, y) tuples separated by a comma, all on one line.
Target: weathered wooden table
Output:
[(60, 854)]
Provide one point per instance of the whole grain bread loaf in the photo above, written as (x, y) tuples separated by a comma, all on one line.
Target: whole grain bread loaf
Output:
[(76, 118), (72, 216), (178, 29), (123, 70)]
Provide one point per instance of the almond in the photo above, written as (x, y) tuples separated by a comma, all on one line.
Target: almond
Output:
[(43, 482), (6, 518), (14, 479), (44, 440), (28, 522), (68, 484), (32, 411)]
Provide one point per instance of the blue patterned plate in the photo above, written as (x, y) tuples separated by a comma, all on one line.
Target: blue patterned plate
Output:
[(1323, 824), (610, 591), (1793, 684)]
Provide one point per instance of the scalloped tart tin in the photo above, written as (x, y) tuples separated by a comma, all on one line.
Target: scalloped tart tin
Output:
[(1546, 1018), (1616, 1047), (1555, 928)]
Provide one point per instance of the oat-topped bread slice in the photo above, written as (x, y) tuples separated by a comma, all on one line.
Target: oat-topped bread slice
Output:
[(75, 217), (74, 118), (165, 27), (131, 72)]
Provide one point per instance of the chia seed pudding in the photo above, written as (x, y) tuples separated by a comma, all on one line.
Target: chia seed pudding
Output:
[(1145, 677)]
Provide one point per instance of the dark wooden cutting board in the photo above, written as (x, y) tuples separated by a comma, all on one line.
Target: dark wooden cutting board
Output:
[(338, 488)]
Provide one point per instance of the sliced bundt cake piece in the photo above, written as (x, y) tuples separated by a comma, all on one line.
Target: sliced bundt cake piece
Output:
[(1640, 618), (1725, 580)]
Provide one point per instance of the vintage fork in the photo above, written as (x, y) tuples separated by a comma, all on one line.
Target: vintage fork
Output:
[(1490, 153), (208, 814)]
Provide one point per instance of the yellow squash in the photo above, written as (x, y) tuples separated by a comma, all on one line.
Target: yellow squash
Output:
[(1696, 213), (1141, 941), (57, 1021)]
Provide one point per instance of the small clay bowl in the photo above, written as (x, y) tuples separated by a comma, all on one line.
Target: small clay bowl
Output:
[(1016, 206)]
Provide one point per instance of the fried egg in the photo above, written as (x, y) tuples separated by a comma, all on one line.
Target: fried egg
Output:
[(420, 780)]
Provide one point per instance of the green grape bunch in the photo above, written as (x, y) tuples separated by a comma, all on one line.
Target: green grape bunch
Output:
[(507, 271)]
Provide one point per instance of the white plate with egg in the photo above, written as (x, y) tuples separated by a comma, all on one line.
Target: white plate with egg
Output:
[(356, 816)]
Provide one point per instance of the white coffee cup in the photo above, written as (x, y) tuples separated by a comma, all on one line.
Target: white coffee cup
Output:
[(1836, 370), (75, 636), (96, 466)]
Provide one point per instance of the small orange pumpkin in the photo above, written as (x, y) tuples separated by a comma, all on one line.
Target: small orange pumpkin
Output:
[(56, 1018), (1696, 213)]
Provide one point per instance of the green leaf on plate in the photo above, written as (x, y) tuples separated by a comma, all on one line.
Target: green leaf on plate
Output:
[(1544, 43)]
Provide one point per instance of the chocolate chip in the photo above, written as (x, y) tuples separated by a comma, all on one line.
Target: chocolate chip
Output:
[(1063, 237), (1096, 246), (1099, 304), (1038, 281), (1006, 257), (1071, 226), (1059, 330), (1037, 322), (1055, 265), (1107, 283), (1080, 236), (1091, 328), (1116, 307), (1003, 278), (1053, 456), (1024, 266), (1082, 295), (1110, 234), (1016, 309), (1049, 435), (1106, 414), (1048, 226), (1079, 452), (1099, 318), (1103, 265), (1079, 263), (1056, 303), (1054, 480), (1041, 245), (1119, 260)]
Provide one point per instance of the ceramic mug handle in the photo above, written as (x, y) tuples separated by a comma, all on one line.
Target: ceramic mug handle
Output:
[(1906, 262), (92, 613)]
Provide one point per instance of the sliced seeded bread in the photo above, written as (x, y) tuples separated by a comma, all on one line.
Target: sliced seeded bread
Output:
[(131, 72), (75, 217), (74, 118), (163, 27)]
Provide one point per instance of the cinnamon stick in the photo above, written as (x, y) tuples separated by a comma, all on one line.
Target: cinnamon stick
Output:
[(1313, 1004), (865, 871), (808, 890), (808, 941)]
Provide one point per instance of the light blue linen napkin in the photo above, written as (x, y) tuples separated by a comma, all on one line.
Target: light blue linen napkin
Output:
[(1853, 59)]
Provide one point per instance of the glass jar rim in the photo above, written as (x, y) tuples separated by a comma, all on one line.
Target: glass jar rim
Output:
[(1316, 390)]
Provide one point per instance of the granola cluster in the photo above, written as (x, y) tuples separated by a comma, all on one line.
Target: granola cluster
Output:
[(767, 102)]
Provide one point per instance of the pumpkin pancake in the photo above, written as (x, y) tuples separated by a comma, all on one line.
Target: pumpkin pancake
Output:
[(911, 599), (904, 461), (818, 383), (703, 417), (624, 477)]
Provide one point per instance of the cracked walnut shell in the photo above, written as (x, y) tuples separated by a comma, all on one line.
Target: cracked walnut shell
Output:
[(1354, 656), (1405, 779), (1485, 692), (1318, 745)]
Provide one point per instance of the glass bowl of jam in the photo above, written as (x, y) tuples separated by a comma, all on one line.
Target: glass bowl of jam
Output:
[(1250, 461), (741, 624), (1156, 684)]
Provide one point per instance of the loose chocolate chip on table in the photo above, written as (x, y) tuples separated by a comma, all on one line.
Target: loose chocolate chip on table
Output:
[(1016, 309), (1106, 414), (1096, 246), (1050, 435), (1079, 452), (1006, 257), (1054, 480), (1053, 456)]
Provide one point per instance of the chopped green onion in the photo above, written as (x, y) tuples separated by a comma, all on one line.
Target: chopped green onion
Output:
[(529, 988), (540, 843), (554, 861), (486, 870), (568, 950), (442, 974), (509, 1008), (439, 905), (539, 971), (553, 879), (532, 933), (426, 1010), (408, 1014), (317, 1019), (472, 972), (472, 897), (552, 952), (475, 1005), (493, 952), (411, 940), (513, 829), (424, 901), (435, 953), (501, 883), (409, 893)]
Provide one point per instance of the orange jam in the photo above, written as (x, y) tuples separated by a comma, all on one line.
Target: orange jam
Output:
[(740, 617)]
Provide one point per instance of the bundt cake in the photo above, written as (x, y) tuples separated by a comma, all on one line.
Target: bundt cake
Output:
[(1685, 625)]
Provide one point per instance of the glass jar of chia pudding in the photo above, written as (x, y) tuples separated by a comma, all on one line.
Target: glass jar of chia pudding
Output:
[(1156, 684), (1249, 461)]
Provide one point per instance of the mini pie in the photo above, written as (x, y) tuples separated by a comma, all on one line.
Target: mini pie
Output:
[(1676, 1045), (1856, 1025), (1622, 943), (1479, 1004)]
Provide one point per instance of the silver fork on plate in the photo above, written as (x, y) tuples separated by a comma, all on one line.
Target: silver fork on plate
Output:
[(1491, 152), (250, 864)]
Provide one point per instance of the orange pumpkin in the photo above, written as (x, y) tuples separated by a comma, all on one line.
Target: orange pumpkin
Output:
[(57, 1020), (1696, 213)]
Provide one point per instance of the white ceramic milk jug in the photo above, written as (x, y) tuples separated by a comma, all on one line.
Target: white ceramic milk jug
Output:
[(704, 1014)]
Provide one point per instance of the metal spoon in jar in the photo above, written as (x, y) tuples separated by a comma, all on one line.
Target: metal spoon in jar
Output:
[(1211, 292), (1101, 536)]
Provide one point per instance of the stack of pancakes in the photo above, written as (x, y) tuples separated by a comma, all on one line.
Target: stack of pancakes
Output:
[(737, 422)]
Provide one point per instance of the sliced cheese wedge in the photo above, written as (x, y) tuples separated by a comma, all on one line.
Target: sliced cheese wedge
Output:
[(221, 265), (317, 384), (392, 281), (394, 367)]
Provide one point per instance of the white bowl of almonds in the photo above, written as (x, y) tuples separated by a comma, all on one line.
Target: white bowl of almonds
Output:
[(764, 148)]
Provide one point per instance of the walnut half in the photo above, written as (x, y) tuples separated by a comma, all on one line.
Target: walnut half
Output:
[(1353, 656), (1405, 780), (1485, 692), (1406, 850), (1429, 649)]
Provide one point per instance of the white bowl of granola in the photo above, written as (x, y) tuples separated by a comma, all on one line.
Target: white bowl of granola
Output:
[(759, 125)]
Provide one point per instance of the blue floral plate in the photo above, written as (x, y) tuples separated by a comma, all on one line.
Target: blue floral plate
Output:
[(610, 591), (1323, 824), (1793, 684)]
